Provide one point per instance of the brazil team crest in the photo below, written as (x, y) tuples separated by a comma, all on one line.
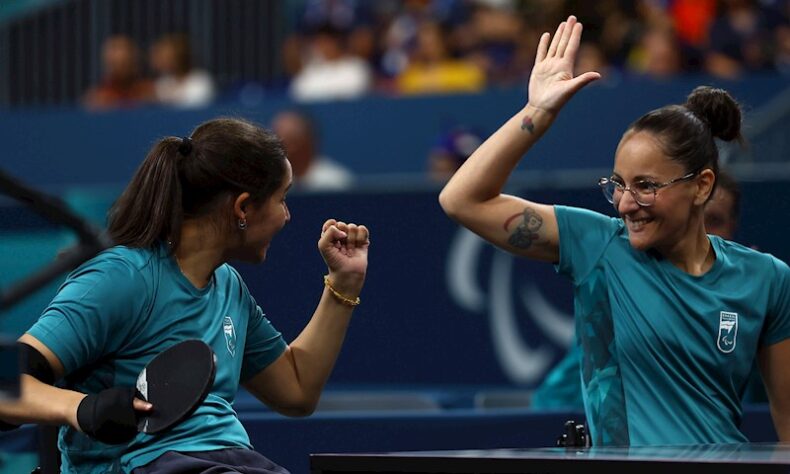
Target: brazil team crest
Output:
[(728, 331), (230, 335)]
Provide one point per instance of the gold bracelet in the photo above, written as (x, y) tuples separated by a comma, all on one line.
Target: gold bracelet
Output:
[(343, 298)]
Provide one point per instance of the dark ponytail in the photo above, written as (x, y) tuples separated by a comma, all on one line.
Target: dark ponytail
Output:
[(189, 177), (686, 131), (149, 209)]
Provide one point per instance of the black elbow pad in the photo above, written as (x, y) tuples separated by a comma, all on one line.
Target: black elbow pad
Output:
[(33, 363)]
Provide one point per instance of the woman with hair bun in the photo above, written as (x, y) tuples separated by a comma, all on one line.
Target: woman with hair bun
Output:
[(669, 319), (194, 204)]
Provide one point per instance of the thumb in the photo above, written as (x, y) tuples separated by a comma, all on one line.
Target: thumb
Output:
[(141, 405), (583, 79)]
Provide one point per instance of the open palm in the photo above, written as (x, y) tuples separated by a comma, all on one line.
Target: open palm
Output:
[(551, 83)]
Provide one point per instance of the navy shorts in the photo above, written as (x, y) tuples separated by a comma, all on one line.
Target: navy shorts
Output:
[(221, 461)]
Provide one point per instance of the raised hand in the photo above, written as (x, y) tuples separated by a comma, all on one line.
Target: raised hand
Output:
[(551, 83), (344, 247)]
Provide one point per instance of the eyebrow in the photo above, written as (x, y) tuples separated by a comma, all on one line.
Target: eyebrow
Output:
[(640, 177)]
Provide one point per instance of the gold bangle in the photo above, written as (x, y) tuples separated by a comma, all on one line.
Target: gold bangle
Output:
[(343, 298)]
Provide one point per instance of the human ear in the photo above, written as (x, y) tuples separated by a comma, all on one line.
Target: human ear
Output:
[(240, 205), (705, 181)]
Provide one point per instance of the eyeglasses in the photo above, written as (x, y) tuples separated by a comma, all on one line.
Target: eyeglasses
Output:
[(644, 192)]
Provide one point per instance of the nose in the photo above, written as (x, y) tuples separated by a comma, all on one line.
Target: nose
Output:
[(627, 203), (287, 214)]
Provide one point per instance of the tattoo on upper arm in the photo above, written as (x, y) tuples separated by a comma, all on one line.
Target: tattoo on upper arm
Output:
[(527, 230), (526, 124)]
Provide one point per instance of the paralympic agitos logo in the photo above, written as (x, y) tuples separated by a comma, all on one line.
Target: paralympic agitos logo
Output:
[(506, 299)]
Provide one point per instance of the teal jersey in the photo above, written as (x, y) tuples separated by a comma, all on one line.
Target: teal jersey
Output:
[(667, 355), (561, 388), (117, 311)]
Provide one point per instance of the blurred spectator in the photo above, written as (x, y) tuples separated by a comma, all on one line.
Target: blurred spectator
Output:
[(450, 151), (742, 39), (619, 29), (400, 33), (178, 83), (355, 17), (499, 42), (657, 54), (432, 70), (122, 84), (311, 171), (591, 57), (692, 19), (329, 71), (723, 210)]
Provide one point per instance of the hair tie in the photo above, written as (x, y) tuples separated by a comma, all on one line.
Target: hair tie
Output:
[(186, 146)]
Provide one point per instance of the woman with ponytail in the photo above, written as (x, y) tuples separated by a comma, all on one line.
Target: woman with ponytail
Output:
[(669, 318), (194, 204)]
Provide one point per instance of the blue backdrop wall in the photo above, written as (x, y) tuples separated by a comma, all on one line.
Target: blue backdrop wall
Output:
[(372, 136)]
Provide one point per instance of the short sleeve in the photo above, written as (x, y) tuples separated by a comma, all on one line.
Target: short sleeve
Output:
[(777, 322), (264, 344), (93, 312), (584, 236)]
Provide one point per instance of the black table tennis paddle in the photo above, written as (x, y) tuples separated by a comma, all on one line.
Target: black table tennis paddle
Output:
[(175, 382)]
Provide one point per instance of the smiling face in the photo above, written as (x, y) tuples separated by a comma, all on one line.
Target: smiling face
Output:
[(264, 221), (674, 216)]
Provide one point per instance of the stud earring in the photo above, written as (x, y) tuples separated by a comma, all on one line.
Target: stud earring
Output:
[(243, 223)]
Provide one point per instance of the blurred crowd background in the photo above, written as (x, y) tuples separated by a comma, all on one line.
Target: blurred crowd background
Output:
[(122, 53)]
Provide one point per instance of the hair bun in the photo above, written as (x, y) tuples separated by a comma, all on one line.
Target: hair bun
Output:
[(718, 110)]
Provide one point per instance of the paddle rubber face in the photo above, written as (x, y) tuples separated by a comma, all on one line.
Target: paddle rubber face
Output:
[(176, 382)]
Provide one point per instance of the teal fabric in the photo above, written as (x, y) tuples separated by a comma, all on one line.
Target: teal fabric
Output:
[(562, 387), (667, 355), (117, 311)]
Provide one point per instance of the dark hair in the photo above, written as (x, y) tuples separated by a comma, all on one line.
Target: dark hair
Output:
[(727, 183), (227, 156), (686, 132)]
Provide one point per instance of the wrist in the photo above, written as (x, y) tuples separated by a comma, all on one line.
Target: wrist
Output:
[(539, 112), (69, 416), (347, 283), (535, 120), (345, 294)]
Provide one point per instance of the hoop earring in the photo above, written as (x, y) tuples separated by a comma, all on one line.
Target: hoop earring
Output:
[(243, 223)]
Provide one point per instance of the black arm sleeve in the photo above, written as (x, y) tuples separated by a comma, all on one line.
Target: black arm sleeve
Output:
[(33, 363)]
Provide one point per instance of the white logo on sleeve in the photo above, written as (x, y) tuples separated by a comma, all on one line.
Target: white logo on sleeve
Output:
[(230, 335), (728, 331)]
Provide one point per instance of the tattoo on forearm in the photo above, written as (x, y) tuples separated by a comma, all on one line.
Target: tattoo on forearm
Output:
[(526, 124), (526, 231)]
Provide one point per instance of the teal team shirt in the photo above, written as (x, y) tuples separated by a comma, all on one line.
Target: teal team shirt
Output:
[(117, 311), (666, 355)]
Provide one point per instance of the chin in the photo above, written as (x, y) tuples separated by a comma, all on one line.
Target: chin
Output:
[(253, 255), (640, 244), (260, 257)]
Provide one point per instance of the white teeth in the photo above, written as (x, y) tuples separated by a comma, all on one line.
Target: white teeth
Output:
[(637, 224)]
